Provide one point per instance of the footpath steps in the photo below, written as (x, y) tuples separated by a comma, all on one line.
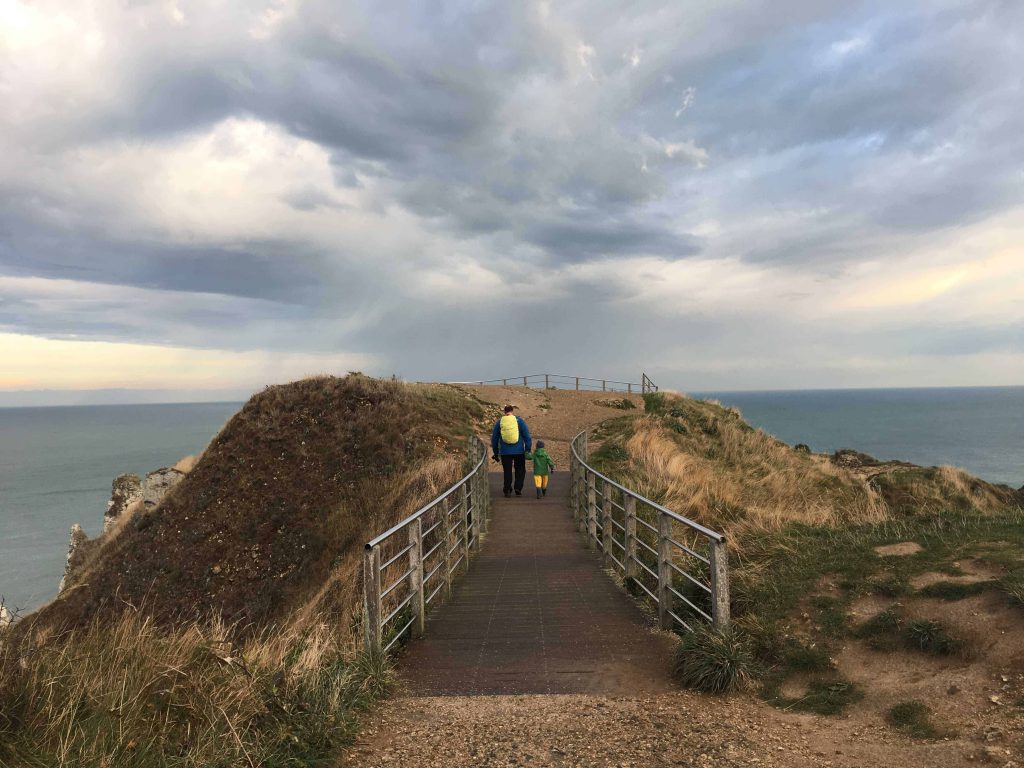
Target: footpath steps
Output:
[(536, 614)]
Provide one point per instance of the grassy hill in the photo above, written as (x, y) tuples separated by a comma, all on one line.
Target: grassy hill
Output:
[(218, 628), (858, 586)]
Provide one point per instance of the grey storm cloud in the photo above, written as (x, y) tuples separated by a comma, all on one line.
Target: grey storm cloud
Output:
[(529, 140)]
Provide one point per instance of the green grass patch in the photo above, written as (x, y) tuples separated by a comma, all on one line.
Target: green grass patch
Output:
[(933, 638), (824, 696), (1013, 586), (912, 718), (714, 661), (954, 590)]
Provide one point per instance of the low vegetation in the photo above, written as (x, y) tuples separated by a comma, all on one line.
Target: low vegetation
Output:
[(220, 628), (803, 533), (132, 694), (912, 718)]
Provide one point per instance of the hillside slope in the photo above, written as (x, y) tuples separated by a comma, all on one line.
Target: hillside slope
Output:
[(273, 515)]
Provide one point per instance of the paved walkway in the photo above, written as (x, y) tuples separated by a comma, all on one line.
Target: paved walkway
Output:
[(536, 614)]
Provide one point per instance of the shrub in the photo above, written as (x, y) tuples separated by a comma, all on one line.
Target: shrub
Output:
[(714, 660)]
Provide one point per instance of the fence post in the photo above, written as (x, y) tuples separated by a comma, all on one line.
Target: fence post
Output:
[(577, 383), (504, 382), (664, 570), (629, 558), (629, 389), (446, 515), (591, 510), (465, 525), (604, 385), (719, 557), (524, 382), (416, 579), (371, 595), (547, 381), (607, 529)]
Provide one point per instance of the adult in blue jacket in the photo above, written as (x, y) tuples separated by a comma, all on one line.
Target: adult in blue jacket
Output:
[(512, 455)]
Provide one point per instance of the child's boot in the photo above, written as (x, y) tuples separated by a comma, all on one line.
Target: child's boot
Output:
[(538, 493), (545, 492)]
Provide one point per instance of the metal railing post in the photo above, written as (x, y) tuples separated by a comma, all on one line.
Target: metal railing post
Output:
[(581, 511), (419, 607), (524, 382), (591, 510), (719, 557), (371, 595), (607, 529), (446, 515), (629, 389), (577, 383), (664, 571), (547, 381), (465, 526), (629, 561), (468, 495), (504, 382), (604, 385)]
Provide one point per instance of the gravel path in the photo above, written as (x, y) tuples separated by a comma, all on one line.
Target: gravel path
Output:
[(574, 730)]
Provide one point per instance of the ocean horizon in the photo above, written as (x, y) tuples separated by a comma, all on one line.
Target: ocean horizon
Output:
[(57, 462)]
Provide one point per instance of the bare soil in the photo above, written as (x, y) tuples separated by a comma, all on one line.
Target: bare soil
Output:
[(902, 549), (675, 729), (555, 416)]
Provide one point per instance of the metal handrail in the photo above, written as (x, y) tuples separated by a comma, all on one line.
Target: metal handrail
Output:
[(468, 502), (552, 380), (597, 522)]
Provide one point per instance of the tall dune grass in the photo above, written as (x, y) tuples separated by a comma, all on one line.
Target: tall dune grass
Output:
[(128, 693)]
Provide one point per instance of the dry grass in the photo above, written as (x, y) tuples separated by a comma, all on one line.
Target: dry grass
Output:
[(265, 535), (706, 462), (132, 694)]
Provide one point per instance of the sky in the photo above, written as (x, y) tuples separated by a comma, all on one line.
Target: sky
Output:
[(204, 197)]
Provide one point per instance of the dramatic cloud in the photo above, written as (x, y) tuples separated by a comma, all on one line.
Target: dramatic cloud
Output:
[(730, 195)]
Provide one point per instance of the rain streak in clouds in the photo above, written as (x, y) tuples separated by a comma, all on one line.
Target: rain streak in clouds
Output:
[(729, 195)]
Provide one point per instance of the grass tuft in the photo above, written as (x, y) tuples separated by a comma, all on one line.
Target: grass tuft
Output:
[(714, 661), (954, 590), (912, 718), (931, 637)]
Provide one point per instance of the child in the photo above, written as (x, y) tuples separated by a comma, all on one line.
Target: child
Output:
[(542, 467)]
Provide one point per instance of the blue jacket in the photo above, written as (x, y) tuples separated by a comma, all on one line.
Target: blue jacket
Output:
[(499, 448)]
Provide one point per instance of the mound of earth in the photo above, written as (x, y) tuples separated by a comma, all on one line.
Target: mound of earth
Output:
[(274, 514)]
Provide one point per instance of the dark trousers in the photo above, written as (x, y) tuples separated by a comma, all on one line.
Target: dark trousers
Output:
[(517, 461)]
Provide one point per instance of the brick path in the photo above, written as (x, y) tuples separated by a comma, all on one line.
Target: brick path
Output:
[(535, 614)]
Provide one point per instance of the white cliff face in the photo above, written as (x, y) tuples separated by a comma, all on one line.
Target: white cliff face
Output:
[(128, 495), (126, 490), (158, 483), (5, 618), (78, 538)]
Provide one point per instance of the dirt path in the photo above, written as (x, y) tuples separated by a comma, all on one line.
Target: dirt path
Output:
[(555, 416), (675, 729)]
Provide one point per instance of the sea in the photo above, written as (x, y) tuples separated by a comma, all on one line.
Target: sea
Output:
[(56, 468), (57, 464)]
